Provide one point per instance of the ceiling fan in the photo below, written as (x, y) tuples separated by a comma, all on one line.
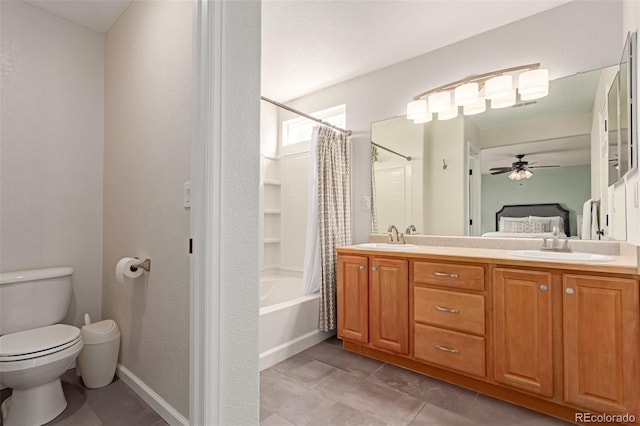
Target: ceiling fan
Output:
[(519, 169)]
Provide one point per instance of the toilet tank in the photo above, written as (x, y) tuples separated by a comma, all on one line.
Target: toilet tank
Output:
[(34, 298)]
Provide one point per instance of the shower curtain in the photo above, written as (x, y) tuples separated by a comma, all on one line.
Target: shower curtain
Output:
[(332, 175)]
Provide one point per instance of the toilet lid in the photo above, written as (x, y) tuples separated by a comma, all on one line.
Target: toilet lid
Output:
[(33, 343)]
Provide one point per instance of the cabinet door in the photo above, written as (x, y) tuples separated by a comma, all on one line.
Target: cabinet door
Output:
[(600, 321), (389, 305), (523, 349), (353, 298)]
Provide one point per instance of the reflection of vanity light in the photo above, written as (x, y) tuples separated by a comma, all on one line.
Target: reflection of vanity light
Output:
[(416, 109), (533, 83), (498, 87), (452, 112), (439, 102), (466, 94), (504, 101), (424, 119), (480, 105)]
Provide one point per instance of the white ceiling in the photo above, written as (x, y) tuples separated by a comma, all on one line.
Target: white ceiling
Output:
[(97, 15), (310, 45)]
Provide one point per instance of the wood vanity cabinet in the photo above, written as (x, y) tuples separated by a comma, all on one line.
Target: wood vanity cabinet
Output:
[(449, 316), (373, 302), (600, 324), (389, 305), (353, 298), (522, 330), (555, 338)]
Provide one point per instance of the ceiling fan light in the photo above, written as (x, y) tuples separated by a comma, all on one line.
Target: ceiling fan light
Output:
[(480, 105), (452, 112), (528, 174), (513, 175), (534, 81), (505, 101), (466, 94), (439, 101), (498, 87), (416, 109), (423, 119)]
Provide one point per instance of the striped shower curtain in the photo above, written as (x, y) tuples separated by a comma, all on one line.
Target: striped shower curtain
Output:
[(334, 216)]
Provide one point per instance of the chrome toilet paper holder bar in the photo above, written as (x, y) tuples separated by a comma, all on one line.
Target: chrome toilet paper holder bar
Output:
[(145, 264)]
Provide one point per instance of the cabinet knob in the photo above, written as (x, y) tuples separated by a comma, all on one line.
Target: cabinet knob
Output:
[(374, 268), (569, 290), (361, 267), (543, 287)]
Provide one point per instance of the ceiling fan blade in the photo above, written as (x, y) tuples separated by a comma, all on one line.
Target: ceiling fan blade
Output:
[(493, 169), (499, 172), (540, 167)]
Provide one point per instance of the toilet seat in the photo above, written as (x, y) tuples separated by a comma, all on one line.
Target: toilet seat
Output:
[(37, 342)]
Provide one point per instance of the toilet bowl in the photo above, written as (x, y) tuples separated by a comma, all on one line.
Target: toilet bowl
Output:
[(34, 350), (31, 363)]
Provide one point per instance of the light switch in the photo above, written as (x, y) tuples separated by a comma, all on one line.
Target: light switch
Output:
[(187, 195), (366, 202)]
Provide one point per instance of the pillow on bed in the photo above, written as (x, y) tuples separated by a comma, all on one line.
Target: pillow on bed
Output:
[(505, 220), (524, 227), (549, 222)]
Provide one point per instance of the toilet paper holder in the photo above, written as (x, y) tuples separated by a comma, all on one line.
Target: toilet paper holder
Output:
[(145, 264)]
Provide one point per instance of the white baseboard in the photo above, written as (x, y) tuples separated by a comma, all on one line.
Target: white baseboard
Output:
[(155, 401), (289, 349)]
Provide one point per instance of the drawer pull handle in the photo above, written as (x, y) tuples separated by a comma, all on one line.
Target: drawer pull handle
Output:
[(444, 349), (374, 268), (361, 267), (441, 309), (445, 275)]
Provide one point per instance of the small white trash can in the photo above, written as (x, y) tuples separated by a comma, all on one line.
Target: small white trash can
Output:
[(99, 356)]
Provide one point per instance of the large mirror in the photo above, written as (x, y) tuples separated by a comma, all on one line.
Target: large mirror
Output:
[(452, 177)]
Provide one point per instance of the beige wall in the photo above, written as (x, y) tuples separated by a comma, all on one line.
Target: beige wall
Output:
[(51, 141), (148, 82)]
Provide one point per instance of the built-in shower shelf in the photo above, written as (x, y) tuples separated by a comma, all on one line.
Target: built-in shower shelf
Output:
[(272, 240), (271, 211)]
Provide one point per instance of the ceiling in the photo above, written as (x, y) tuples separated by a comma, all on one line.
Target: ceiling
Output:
[(97, 15), (310, 45)]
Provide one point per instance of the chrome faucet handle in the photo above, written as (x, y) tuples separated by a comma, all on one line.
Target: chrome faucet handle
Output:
[(544, 242), (391, 230), (401, 238), (565, 245)]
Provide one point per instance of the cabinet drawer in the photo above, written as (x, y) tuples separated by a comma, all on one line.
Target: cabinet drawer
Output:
[(448, 275), (450, 349), (458, 311)]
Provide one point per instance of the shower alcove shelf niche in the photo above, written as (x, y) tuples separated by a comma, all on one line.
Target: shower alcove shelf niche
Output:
[(270, 206)]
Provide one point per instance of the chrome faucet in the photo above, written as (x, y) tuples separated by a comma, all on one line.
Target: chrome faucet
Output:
[(409, 229), (394, 235), (555, 243)]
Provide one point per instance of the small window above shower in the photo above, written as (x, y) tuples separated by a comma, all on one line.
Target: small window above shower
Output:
[(298, 130)]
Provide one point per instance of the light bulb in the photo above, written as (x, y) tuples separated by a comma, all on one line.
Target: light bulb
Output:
[(439, 101), (498, 87), (416, 109), (466, 94)]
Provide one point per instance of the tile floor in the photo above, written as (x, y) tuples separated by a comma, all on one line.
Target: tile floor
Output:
[(326, 385), (112, 405)]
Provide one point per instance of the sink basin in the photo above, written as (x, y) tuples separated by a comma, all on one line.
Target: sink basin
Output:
[(554, 255), (386, 246)]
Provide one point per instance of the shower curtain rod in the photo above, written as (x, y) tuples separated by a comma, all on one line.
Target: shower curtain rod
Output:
[(406, 157), (310, 117)]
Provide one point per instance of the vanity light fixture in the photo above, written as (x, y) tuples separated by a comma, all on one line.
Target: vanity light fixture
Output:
[(471, 93)]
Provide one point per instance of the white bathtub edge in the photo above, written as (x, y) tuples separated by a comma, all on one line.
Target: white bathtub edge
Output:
[(292, 347)]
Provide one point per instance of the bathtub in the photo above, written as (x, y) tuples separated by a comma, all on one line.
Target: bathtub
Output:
[(288, 319)]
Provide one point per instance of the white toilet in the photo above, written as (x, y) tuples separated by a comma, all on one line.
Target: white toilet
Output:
[(34, 350)]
